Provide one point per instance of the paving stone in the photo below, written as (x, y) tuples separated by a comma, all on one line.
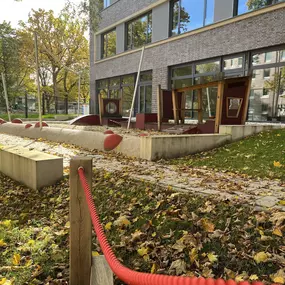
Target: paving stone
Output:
[(267, 201)]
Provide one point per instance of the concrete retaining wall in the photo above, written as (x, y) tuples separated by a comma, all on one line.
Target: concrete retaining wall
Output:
[(86, 139), (240, 132), (32, 168), (150, 148), (156, 147)]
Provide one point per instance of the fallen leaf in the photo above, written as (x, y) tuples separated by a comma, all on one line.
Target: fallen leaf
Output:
[(142, 251), (108, 226), (153, 269), (2, 244), (95, 253), (16, 259), (278, 277), (212, 257), (277, 231), (277, 164), (253, 277), (282, 202), (122, 221), (207, 225), (179, 266), (260, 257)]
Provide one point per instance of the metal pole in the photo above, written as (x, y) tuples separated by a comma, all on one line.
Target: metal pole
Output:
[(6, 96), (136, 87), (78, 99), (26, 105), (38, 79)]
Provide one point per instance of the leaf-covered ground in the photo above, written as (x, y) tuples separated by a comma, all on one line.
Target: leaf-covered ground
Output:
[(151, 228), (262, 155), (158, 230)]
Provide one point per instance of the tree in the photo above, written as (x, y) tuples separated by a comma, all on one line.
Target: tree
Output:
[(16, 71), (62, 44), (257, 4)]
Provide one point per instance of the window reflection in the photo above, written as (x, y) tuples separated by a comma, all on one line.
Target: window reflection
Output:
[(245, 6), (233, 63), (109, 44), (139, 31), (189, 15)]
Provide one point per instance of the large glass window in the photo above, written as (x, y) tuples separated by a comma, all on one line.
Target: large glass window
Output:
[(244, 6), (107, 3), (145, 93), (187, 15), (109, 44), (139, 31), (123, 88)]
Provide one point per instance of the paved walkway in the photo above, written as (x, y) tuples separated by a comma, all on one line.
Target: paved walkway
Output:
[(259, 192)]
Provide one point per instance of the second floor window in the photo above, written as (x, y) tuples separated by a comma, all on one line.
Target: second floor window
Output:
[(139, 32), (109, 44), (187, 15), (243, 6)]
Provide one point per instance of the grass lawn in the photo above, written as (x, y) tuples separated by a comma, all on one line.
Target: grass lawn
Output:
[(150, 229), (262, 155)]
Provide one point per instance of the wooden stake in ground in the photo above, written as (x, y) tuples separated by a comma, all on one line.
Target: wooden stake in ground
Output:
[(6, 96), (136, 87), (38, 80), (80, 224)]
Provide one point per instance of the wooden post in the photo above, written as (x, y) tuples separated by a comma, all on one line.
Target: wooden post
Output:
[(80, 255), (175, 107), (101, 272), (200, 106), (183, 107), (159, 108), (246, 101), (219, 107)]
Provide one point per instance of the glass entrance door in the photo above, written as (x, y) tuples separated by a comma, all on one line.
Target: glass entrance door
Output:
[(145, 98)]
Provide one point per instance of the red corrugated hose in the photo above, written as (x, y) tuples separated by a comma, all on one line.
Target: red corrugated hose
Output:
[(136, 278)]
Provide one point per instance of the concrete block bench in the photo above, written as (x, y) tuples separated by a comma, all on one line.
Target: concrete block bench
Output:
[(32, 168)]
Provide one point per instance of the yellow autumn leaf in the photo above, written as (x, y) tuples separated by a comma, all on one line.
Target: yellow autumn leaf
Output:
[(193, 254), (122, 221), (278, 277), (277, 164), (7, 223), (16, 259), (67, 225), (277, 232), (142, 251), (2, 281), (153, 234), (212, 257), (260, 257), (208, 226), (282, 202), (2, 244), (95, 253), (253, 277), (108, 226), (153, 269)]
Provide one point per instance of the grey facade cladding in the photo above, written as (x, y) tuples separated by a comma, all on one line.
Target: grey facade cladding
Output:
[(252, 33), (121, 10)]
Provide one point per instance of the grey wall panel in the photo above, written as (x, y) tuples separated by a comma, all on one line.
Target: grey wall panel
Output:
[(98, 43), (120, 45), (122, 9), (160, 22), (223, 10)]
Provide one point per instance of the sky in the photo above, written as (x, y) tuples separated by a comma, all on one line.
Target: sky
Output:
[(12, 11)]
